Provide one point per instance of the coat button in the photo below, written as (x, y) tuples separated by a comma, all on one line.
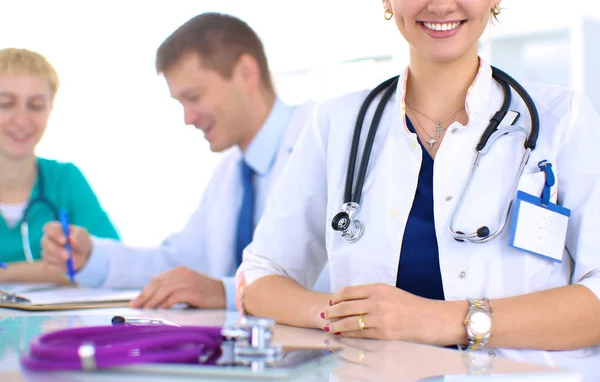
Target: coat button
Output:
[(448, 198), (492, 353), (394, 213), (454, 131), (462, 274)]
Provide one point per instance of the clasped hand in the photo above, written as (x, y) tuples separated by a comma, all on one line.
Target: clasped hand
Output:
[(385, 311)]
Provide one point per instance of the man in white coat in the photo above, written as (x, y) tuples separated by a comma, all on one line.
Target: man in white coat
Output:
[(216, 67)]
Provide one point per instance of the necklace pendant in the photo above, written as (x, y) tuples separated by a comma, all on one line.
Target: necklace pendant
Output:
[(432, 142), (438, 130)]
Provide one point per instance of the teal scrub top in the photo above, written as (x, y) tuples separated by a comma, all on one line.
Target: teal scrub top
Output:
[(65, 188)]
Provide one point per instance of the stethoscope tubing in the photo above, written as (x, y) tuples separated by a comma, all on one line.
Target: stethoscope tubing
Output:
[(353, 197), (40, 199), (121, 345)]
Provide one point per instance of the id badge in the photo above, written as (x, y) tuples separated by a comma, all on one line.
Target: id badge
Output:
[(539, 228)]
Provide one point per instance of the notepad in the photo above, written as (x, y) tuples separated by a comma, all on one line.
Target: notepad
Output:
[(68, 298), (19, 288)]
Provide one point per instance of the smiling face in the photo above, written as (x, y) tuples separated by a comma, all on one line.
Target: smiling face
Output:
[(211, 103), (441, 30), (25, 106)]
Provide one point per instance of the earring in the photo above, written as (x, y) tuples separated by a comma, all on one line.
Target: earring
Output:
[(388, 15), (495, 11)]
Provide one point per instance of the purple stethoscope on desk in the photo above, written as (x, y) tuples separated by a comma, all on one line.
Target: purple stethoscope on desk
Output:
[(153, 341)]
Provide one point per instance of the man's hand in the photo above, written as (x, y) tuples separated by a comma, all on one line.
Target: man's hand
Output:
[(53, 243), (182, 285)]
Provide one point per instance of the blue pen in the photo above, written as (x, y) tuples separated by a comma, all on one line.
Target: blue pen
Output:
[(64, 220)]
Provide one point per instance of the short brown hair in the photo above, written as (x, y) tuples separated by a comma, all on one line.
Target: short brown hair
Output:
[(14, 61), (219, 40)]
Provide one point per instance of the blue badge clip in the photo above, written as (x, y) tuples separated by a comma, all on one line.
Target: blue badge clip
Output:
[(546, 167)]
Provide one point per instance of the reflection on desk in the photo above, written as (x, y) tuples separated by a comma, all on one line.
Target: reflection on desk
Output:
[(359, 360)]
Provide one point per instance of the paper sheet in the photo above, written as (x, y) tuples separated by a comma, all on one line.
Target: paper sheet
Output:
[(79, 295), (25, 288)]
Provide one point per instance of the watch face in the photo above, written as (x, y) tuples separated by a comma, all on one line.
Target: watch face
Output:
[(480, 323)]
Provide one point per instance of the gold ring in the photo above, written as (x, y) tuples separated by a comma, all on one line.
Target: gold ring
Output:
[(361, 322)]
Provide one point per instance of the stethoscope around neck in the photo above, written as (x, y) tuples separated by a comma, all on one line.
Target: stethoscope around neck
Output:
[(40, 199), (352, 229)]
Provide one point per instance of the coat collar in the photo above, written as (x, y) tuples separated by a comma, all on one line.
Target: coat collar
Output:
[(476, 103)]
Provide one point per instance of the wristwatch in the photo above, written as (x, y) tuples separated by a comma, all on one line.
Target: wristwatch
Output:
[(478, 324)]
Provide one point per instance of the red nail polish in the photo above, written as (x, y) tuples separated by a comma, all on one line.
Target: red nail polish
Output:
[(338, 333), (322, 315), (326, 328), (330, 303)]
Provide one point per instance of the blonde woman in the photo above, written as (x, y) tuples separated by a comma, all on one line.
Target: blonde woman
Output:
[(33, 190)]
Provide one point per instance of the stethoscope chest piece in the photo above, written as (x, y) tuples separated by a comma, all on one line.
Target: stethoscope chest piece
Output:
[(351, 229), (251, 343)]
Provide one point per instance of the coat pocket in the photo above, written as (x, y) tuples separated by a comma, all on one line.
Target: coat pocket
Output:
[(533, 184)]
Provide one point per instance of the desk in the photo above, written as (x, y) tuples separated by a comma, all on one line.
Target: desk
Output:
[(360, 360)]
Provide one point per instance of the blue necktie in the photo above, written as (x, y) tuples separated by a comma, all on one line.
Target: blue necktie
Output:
[(245, 226)]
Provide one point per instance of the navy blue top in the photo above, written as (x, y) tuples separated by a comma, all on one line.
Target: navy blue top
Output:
[(419, 268)]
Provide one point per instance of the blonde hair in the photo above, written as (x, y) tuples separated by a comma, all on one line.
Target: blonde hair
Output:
[(14, 61)]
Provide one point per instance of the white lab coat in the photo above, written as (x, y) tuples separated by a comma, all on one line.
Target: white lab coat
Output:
[(295, 237), (207, 242)]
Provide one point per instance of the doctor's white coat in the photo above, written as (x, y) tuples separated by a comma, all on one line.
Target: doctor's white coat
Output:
[(295, 238), (207, 242)]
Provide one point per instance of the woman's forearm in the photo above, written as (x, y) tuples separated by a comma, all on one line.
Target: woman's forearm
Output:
[(286, 301), (556, 319), (563, 318), (35, 272)]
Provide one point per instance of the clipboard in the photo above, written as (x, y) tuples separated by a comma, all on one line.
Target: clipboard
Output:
[(67, 298)]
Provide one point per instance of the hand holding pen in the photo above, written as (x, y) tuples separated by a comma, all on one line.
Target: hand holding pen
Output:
[(62, 241), (64, 221)]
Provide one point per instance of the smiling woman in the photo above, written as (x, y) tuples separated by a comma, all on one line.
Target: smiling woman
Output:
[(410, 275), (33, 190)]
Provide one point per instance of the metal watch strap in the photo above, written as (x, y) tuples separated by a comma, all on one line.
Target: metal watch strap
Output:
[(476, 341)]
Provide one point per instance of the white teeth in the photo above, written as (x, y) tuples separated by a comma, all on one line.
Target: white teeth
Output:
[(442, 27)]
